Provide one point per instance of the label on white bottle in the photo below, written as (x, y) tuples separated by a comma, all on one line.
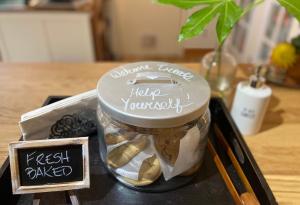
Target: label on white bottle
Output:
[(249, 107)]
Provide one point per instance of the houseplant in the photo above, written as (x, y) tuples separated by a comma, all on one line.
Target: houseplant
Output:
[(227, 13), (283, 57), (285, 63)]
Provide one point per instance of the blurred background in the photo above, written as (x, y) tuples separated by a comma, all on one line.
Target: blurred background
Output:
[(128, 30)]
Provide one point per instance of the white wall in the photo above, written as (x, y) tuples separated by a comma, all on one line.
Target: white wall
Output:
[(133, 21)]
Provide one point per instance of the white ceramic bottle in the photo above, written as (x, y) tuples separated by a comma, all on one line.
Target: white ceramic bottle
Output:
[(250, 104)]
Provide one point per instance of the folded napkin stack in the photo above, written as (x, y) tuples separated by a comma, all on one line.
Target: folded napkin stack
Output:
[(71, 117)]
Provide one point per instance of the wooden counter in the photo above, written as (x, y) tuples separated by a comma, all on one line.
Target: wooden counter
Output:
[(24, 87)]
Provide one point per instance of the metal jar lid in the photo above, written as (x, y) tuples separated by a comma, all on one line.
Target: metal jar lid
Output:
[(153, 94)]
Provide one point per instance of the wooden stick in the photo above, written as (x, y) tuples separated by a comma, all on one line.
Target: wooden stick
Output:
[(224, 174), (73, 198), (249, 199), (234, 161), (36, 199)]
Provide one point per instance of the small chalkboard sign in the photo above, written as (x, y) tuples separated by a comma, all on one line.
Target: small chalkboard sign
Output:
[(49, 165)]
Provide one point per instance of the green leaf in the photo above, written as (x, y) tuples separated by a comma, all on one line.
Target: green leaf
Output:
[(187, 4), (292, 6), (229, 15), (197, 22)]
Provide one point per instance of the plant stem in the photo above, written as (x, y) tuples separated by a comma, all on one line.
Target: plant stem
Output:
[(207, 75), (219, 59), (216, 59)]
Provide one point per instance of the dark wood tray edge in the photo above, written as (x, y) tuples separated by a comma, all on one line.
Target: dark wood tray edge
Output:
[(5, 173), (247, 153)]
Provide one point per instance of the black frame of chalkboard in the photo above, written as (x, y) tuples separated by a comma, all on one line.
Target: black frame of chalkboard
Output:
[(17, 188)]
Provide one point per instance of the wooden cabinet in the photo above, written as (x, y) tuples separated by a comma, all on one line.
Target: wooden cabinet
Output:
[(46, 37)]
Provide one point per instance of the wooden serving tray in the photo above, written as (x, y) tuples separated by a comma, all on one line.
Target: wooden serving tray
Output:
[(207, 186)]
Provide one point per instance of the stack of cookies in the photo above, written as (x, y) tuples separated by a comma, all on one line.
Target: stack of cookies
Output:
[(139, 159), (132, 158)]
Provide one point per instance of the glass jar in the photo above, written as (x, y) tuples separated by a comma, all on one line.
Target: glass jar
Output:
[(220, 69), (153, 123), (276, 75)]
